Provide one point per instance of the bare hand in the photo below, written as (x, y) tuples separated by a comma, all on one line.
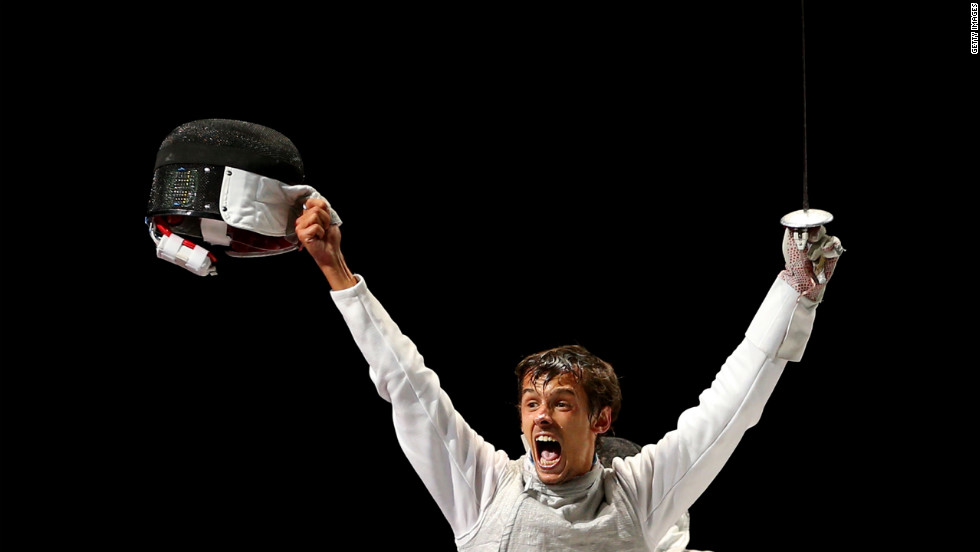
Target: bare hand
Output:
[(321, 239)]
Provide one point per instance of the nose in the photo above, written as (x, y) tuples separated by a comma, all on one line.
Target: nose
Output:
[(543, 418)]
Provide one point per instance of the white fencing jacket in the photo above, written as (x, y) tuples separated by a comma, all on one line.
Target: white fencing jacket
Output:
[(493, 502)]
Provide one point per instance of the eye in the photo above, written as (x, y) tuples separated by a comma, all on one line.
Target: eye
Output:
[(531, 405)]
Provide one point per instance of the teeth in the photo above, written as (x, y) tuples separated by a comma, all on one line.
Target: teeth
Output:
[(547, 464)]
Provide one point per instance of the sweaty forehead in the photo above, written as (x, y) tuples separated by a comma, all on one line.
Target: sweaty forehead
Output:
[(562, 383)]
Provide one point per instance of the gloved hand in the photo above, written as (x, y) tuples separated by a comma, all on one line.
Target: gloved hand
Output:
[(811, 256)]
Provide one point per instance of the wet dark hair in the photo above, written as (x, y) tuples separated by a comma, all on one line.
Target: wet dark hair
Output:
[(595, 375)]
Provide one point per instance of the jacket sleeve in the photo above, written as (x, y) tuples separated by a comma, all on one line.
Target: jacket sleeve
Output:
[(456, 465), (666, 478)]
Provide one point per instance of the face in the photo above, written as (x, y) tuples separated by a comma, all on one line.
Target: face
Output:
[(555, 421)]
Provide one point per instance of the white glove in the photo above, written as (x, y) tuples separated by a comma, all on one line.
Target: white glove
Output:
[(808, 269)]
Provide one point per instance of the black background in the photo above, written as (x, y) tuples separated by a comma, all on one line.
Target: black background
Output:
[(508, 182)]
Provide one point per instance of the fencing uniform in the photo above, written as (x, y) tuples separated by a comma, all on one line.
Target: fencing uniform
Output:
[(493, 502)]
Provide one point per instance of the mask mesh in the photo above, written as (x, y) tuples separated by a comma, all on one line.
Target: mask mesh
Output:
[(190, 189), (248, 146)]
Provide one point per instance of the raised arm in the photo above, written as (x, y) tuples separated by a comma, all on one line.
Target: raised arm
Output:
[(456, 465), (666, 478)]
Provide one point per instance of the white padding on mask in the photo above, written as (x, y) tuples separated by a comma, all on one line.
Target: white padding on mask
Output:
[(260, 204), (215, 231), (172, 248)]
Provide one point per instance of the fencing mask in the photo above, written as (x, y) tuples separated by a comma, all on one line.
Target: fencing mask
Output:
[(233, 185)]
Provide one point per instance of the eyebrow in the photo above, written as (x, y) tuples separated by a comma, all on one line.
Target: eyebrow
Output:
[(555, 391)]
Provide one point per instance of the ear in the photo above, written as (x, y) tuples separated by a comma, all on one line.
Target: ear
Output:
[(603, 421)]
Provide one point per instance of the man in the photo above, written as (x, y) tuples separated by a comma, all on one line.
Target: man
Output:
[(558, 496)]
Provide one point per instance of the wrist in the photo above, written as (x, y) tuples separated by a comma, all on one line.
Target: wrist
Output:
[(339, 276)]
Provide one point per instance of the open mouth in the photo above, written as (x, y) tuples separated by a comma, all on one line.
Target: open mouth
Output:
[(549, 451)]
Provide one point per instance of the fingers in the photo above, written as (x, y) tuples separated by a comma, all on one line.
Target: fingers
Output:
[(815, 235), (319, 208), (307, 233), (832, 247), (315, 202), (312, 224)]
